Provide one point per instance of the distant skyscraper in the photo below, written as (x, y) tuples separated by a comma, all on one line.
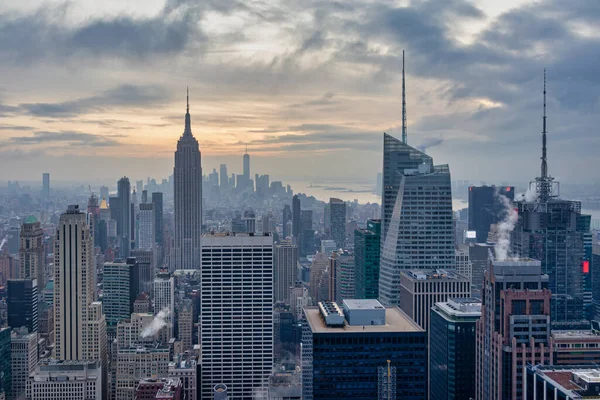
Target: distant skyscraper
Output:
[(119, 288), (164, 300), (318, 270), (147, 232), (224, 182), (246, 172), (417, 217), (287, 217), (123, 215), (296, 217), (344, 277), (307, 233), (337, 208), (486, 208), (366, 260), (514, 328), (80, 326), (249, 305), (286, 260), (24, 359), (103, 192), (46, 186), (187, 174), (31, 252), (22, 301), (157, 203)]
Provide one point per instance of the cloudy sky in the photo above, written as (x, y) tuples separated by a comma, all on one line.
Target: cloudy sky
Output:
[(94, 90)]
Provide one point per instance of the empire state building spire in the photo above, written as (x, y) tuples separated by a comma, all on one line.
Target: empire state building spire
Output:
[(188, 121)]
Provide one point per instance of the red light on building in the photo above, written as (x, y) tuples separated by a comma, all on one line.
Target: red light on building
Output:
[(586, 267), (508, 188)]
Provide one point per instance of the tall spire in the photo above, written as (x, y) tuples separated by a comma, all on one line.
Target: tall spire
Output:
[(404, 133), (545, 184), (188, 122), (544, 132)]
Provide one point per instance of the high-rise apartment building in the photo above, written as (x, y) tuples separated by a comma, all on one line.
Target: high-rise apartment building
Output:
[(32, 257), (46, 185), (164, 301), (236, 317), (421, 289), (122, 214), (296, 217), (337, 210), (24, 358), (452, 349), (514, 328), (119, 288), (286, 262), (187, 175), (367, 245), (147, 231), (60, 380), (287, 217), (486, 207), (80, 326), (342, 352), (22, 304), (157, 203), (417, 218)]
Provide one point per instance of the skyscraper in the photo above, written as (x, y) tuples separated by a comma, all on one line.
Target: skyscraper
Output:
[(307, 233), (296, 217), (224, 181), (367, 243), (22, 301), (417, 217), (164, 301), (236, 319), (246, 171), (287, 217), (514, 328), (147, 232), (344, 279), (120, 288), (122, 214), (337, 209), (486, 208), (31, 252), (187, 174), (80, 326), (46, 185), (157, 203), (24, 358), (5, 362), (286, 260)]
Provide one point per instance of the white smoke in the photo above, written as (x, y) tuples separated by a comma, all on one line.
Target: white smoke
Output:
[(2, 243), (505, 228), (157, 323), (529, 196)]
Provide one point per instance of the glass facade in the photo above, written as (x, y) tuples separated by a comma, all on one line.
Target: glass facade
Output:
[(366, 260)]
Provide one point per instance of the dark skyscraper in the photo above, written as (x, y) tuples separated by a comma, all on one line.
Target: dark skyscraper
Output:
[(366, 260), (157, 202), (485, 208), (31, 252), (187, 174), (224, 183), (246, 172), (417, 218), (337, 209), (296, 217), (22, 301), (307, 233), (287, 217), (124, 215)]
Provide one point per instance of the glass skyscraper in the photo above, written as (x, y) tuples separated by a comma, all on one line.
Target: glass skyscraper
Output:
[(417, 218), (366, 260)]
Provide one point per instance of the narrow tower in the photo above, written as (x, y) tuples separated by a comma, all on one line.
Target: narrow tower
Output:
[(544, 184), (404, 133)]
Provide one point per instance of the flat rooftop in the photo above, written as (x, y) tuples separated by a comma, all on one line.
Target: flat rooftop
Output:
[(395, 321), (363, 304), (581, 334), (433, 274)]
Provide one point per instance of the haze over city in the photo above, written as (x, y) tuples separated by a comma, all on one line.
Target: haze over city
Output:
[(309, 86)]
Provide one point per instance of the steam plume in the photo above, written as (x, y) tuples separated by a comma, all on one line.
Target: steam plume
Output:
[(429, 142), (2, 243), (157, 323), (505, 228), (529, 196)]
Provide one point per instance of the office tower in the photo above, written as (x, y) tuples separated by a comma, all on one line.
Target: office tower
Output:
[(22, 301), (13, 239), (184, 368), (553, 231), (287, 217), (139, 362), (464, 266), (46, 321), (187, 174), (362, 338), (186, 324), (262, 185), (487, 208), (268, 224), (337, 209), (367, 244), (307, 233), (157, 203), (576, 347), (147, 232), (452, 349), (103, 192), (420, 289), (246, 170), (120, 288), (45, 185), (417, 218), (5, 362), (328, 246), (139, 186), (164, 301), (478, 257), (31, 251), (249, 221), (137, 330), (144, 259), (24, 358), (142, 304), (296, 217), (144, 196), (286, 260), (60, 380), (318, 268), (342, 279), (224, 183), (123, 216), (80, 326), (514, 328), (229, 311)]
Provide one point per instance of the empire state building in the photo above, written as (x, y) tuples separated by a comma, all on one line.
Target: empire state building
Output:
[(187, 175)]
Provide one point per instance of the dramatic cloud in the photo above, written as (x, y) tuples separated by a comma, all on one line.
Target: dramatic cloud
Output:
[(72, 138)]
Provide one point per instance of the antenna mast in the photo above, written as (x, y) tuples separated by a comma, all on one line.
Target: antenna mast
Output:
[(404, 133)]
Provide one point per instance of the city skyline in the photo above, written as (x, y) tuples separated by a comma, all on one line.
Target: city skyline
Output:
[(115, 100)]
